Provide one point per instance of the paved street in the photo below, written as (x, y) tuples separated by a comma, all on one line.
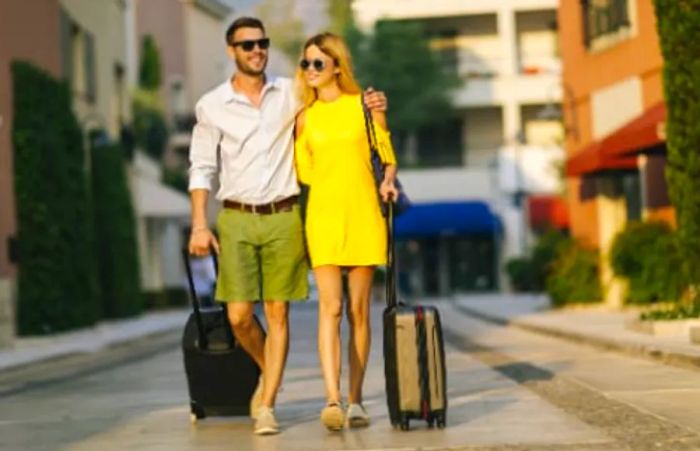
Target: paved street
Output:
[(508, 390)]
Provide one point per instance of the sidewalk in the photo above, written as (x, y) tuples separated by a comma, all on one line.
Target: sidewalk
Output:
[(33, 350), (593, 326)]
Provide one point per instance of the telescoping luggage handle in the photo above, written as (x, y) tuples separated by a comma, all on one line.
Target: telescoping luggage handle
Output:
[(196, 304), (390, 263)]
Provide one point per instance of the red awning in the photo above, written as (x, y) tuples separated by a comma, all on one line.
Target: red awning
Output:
[(548, 212), (618, 150)]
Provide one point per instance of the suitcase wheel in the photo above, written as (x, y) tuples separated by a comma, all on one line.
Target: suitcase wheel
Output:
[(431, 422), (441, 421), (405, 424), (196, 413)]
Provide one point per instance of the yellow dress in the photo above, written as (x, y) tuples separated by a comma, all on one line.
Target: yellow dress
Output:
[(344, 224)]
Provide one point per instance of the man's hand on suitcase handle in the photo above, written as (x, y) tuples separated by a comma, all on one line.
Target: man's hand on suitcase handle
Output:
[(202, 240)]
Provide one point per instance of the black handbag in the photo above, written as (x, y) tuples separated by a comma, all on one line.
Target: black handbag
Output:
[(402, 203)]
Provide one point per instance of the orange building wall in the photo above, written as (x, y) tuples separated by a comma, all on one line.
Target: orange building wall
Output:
[(585, 72)]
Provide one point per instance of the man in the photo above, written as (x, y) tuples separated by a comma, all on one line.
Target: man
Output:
[(244, 134)]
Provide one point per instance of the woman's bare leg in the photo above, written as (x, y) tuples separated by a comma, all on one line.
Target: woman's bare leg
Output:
[(360, 284)]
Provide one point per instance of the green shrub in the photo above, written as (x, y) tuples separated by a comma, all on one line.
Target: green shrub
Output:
[(521, 275), (166, 298), (115, 226), (676, 312), (647, 255), (150, 128), (574, 277), (57, 288), (176, 179), (530, 273), (149, 70)]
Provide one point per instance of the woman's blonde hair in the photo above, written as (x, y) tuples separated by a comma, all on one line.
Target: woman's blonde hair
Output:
[(333, 46)]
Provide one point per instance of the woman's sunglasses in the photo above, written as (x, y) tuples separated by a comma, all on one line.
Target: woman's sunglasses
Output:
[(317, 64), (249, 44)]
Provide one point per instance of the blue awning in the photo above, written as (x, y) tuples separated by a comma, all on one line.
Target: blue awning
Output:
[(446, 219)]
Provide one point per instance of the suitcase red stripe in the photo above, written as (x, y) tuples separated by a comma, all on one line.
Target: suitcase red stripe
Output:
[(414, 358)]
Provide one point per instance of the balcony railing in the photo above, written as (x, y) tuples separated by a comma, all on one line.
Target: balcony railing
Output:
[(470, 66)]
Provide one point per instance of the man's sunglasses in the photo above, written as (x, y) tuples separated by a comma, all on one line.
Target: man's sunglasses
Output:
[(317, 64), (249, 44)]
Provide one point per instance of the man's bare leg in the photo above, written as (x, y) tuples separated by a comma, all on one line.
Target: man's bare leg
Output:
[(276, 348), (247, 330)]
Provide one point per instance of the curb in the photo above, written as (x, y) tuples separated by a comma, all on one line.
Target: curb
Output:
[(649, 352), (56, 368)]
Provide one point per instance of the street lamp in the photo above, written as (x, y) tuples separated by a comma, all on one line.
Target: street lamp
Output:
[(520, 193)]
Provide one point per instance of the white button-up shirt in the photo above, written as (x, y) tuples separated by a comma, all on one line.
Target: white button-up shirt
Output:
[(250, 148)]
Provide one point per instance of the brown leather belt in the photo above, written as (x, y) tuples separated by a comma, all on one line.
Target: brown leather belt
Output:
[(263, 209)]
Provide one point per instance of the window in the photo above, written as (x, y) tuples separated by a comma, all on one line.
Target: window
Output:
[(444, 42), (89, 67), (441, 144), (118, 96), (78, 58), (603, 17)]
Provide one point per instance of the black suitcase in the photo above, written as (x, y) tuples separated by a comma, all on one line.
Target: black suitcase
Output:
[(221, 376), (414, 355)]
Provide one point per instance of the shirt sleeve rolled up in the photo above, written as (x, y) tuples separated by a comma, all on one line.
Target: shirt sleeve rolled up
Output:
[(203, 151)]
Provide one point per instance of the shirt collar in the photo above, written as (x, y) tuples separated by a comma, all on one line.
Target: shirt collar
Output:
[(229, 95)]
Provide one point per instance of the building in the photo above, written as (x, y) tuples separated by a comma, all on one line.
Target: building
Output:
[(189, 35), (93, 52), (19, 42), (504, 147), (190, 38), (86, 43), (616, 151)]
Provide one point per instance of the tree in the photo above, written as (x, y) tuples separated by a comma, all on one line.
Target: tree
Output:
[(285, 30), (397, 59), (677, 20), (340, 15), (150, 126), (149, 72)]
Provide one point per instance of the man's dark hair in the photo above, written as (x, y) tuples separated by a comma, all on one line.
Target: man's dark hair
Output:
[(242, 22)]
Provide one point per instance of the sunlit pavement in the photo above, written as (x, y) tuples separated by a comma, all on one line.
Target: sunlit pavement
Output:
[(508, 389)]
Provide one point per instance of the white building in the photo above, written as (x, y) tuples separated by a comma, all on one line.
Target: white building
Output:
[(508, 129)]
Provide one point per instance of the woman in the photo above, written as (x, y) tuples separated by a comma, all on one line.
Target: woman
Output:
[(345, 229)]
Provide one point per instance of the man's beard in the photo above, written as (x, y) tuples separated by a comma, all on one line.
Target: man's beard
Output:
[(245, 69)]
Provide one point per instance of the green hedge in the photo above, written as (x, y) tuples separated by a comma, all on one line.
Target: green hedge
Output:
[(57, 287), (166, 298), (521, 274), (678, 24), (575, 276), (150, 129), (559, 266), (530, 273), (176, 178), (648, 256), (115, 227)]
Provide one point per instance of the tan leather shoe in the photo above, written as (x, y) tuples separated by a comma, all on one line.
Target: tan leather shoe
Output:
[(333, 416), (266, 423), (357, 416)]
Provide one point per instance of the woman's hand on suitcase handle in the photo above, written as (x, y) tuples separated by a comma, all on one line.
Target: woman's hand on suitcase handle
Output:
[(202, 241), (388, 190)]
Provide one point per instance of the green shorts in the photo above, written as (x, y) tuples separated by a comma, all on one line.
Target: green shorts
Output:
[(263, 257)]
